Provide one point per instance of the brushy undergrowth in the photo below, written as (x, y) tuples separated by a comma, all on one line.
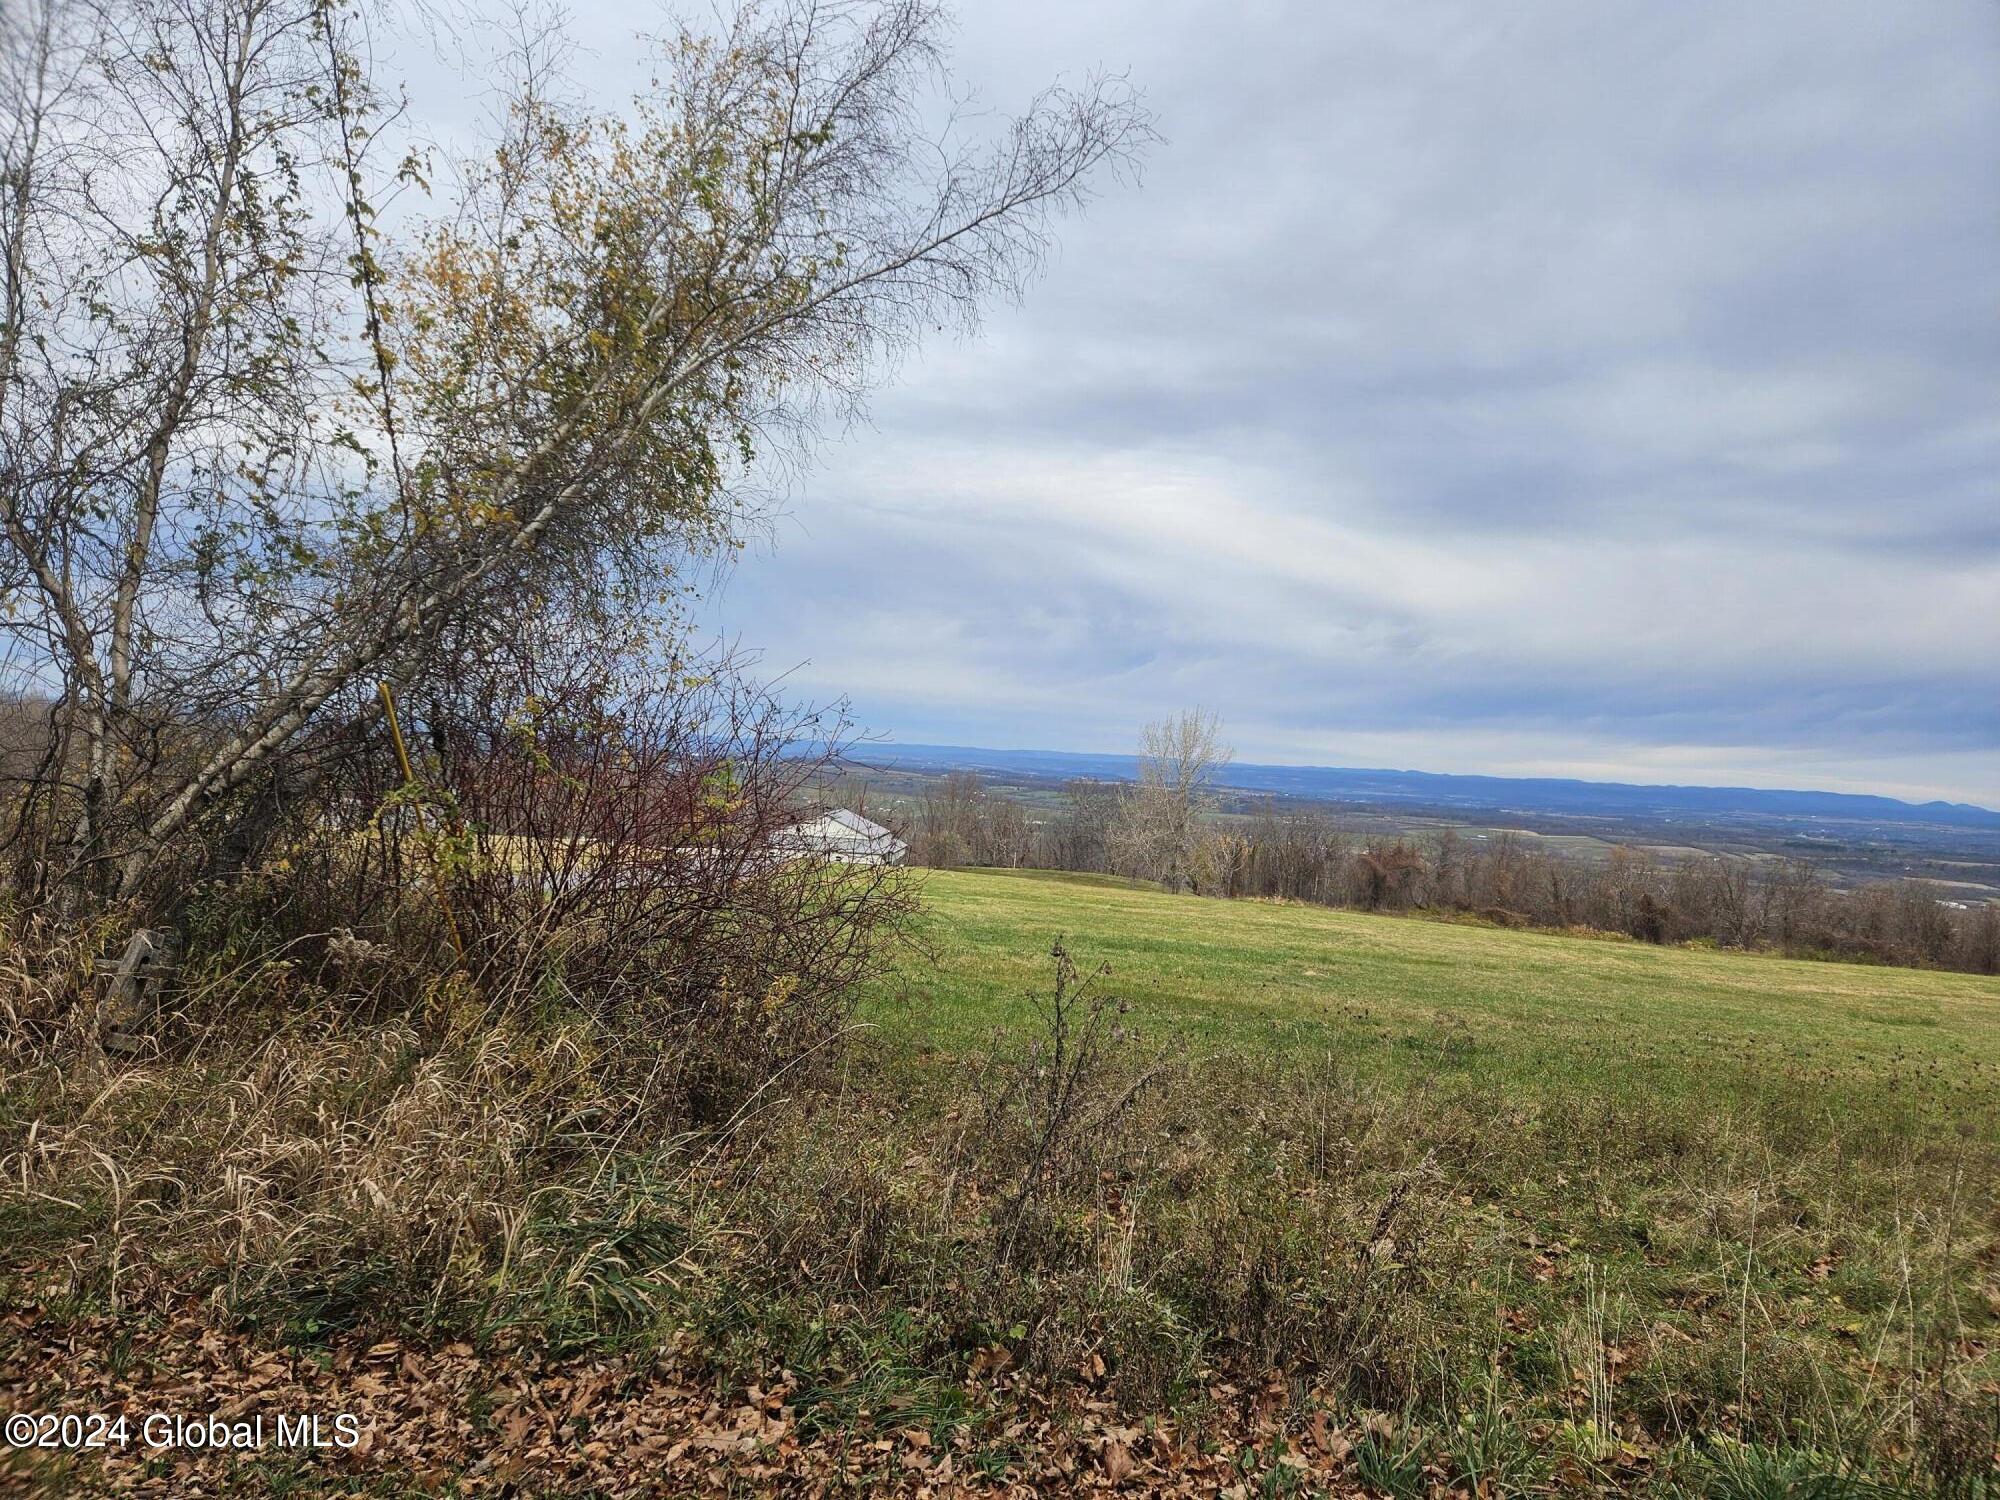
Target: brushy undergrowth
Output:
[(1509, 1291)]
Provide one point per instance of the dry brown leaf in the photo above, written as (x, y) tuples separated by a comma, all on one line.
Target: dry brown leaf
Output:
[(1117, 1460)]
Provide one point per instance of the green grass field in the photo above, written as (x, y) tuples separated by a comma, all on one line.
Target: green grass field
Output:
[(1403, 997), (1736, 1196)]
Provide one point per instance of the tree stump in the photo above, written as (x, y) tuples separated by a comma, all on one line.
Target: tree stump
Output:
[(125, 1012)]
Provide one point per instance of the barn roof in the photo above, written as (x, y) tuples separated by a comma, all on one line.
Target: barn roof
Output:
[(855, 823)]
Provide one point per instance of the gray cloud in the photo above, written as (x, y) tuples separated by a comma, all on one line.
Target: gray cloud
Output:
[(1610, 389)]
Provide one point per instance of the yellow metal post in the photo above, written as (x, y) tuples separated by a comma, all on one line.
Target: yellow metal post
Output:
[(409, 779)]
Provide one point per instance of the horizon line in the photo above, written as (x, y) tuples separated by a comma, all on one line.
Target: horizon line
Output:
[(1278, 765)]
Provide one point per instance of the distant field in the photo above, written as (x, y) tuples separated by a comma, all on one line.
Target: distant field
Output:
[(1406, 996)]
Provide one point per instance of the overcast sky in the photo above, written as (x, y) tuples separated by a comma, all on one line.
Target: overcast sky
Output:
[(1581, 388)]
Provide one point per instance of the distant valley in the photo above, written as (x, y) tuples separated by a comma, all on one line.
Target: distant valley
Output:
[(1852, 837)]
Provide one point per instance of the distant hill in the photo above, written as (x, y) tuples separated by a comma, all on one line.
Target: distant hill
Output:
[(1526, 794)]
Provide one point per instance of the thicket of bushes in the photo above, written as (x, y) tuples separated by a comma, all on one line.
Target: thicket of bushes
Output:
[(1785, 905)]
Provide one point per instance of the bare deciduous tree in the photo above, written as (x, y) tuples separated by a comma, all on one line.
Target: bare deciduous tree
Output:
[(1160, 826), (948, 821), (1081, 836)]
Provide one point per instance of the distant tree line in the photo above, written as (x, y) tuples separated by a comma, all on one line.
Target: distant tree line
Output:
[(1164, 828), (1158, 829), (1782, 904)]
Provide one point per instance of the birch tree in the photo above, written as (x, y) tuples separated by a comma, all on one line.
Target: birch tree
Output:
[(259, 448)]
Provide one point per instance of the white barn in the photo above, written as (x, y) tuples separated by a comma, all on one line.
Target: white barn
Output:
[(845, 837)]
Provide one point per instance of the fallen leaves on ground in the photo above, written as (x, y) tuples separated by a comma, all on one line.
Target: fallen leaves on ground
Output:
[(448, 1418)]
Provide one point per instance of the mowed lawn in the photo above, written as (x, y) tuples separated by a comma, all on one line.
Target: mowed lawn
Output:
[(1406, 996)]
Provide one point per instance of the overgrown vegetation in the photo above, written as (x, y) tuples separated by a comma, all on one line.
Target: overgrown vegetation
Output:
[(267, 443), (1280, 1265)]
